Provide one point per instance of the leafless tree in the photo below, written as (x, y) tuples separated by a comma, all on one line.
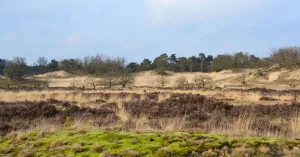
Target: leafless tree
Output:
[(202, 80), (109, 80), (76, 84), (125, 79), (93, 82)]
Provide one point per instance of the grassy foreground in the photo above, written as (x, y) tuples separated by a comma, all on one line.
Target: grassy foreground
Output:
[(111, 143)]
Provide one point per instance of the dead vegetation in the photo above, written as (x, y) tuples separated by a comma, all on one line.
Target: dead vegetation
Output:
[(154, 111), (242, 79)]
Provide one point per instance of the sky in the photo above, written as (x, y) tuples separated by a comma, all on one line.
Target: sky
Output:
[(138, 29)]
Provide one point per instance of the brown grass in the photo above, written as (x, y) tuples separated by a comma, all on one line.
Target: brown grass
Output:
[(241, 125), (77, 148), (223, 79), (82, 97)]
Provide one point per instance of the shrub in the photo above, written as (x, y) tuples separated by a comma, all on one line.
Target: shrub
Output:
[(181, 82), (242, 79), (292, 83)]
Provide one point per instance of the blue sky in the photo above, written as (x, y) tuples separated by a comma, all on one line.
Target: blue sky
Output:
[(138, 29)]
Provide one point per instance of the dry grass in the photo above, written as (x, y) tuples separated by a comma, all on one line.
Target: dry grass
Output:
[(97, 148), (87, 98), (240, 126), (226, 78), (295, 124), (77, 148)]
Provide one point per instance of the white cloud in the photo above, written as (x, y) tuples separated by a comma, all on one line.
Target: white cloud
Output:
[(73, 39), (179, 11)]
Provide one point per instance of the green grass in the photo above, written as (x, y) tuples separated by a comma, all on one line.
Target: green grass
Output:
[(110, 143)]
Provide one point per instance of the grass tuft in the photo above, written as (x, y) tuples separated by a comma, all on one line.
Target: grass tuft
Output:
[(96, 148), (77, 148)]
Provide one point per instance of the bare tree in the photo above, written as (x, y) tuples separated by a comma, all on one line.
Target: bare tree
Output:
[(286, 56), (202, 80), (181, 82), (76, 84), (109, 80), (162, 78), (125, 79), (93, 82)]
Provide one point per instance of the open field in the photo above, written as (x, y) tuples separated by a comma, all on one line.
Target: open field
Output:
[(121, 122), (148, 121), (271, 79), (231, 112)]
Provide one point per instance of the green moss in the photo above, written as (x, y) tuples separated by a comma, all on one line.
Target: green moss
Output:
[(180, 148), (4, 142), (111, 143)]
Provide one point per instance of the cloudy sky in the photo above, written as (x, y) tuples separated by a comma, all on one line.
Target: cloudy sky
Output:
[(138, 29)]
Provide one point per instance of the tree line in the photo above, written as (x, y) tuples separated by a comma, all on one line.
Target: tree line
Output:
[(100, 65), (288, 57)]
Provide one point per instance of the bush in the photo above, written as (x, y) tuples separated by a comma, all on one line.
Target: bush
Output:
[(242, 79), (181, 82), (292, 83)]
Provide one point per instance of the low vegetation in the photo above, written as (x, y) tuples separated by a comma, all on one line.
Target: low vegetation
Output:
[(24, 83), (181, 82), (112, 143), (152, 111)]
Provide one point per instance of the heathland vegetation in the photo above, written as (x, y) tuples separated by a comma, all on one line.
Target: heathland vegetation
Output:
[(174, 106)]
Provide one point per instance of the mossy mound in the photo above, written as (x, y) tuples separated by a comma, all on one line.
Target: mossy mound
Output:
[(110, 143)]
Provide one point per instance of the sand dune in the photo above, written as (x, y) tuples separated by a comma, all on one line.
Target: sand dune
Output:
[(227, 78)]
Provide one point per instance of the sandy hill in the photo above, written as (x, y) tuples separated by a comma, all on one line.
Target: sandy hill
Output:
[(270, 78), (56, 74)]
